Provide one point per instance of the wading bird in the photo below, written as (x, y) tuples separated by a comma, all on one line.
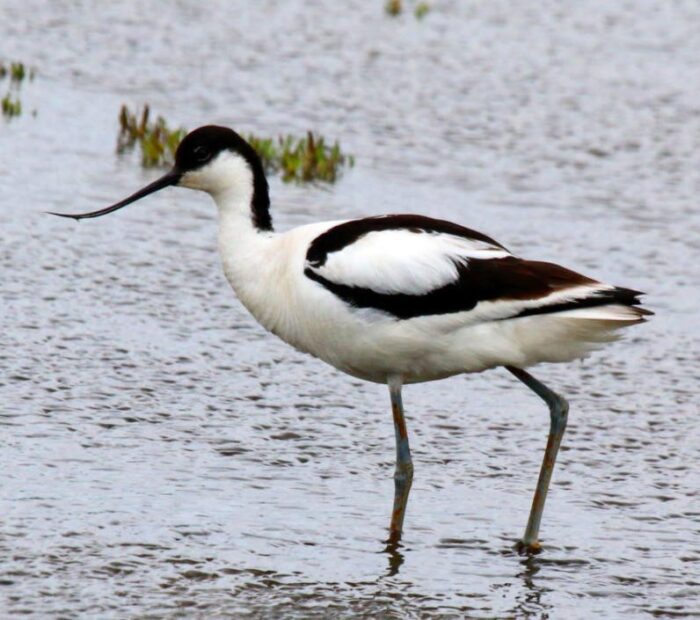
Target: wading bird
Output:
[(397, 299)]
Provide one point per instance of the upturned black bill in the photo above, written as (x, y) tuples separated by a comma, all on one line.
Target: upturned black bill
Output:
[(171, 178)]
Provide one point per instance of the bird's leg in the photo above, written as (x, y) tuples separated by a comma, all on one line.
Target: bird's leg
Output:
[(558, 414), (403, 475)]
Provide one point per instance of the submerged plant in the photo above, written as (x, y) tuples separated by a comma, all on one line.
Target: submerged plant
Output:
[(156, 141)]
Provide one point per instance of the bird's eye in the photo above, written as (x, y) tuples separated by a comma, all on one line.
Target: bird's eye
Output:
[(201, 153)]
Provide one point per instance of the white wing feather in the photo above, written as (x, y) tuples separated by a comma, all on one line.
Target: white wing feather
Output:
[(402, 261)]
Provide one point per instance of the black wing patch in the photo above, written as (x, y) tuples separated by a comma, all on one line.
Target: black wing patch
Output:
[(343, 235), (506, 279)]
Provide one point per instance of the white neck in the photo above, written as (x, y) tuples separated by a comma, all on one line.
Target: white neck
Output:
[(247, 253), (235, 201), (230, 181), (251, 257)]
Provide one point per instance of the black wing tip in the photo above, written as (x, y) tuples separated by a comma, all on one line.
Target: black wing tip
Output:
[(622, 296), (614, 296), (630, 297)]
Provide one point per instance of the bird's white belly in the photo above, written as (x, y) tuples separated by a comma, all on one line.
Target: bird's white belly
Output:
[(436, 347), (373, 346), (362, 343)]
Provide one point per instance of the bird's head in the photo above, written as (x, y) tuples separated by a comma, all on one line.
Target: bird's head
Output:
[(215, 160)]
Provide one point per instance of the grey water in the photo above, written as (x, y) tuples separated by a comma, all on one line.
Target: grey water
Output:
[(161, 456)]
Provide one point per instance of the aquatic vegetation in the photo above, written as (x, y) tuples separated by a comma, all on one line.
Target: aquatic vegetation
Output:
[(297, 159), (393, 7), (421, 10), (11, 106), (301, 159), (156, 141), (17, 72)]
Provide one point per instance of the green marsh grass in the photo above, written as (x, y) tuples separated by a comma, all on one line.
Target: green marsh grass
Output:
[(156, 141), (11, 105), (17, 72), (421, 10), (301, 160), (394, 8)]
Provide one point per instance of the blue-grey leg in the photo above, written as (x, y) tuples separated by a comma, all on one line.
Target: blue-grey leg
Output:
[(403, 475), (558, 414)]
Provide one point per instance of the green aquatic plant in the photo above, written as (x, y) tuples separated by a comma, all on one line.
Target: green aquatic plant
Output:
[(301, 159), (421, 10), (156, 141), (17, 71), (11, 106), (393, 7), (297, 159)]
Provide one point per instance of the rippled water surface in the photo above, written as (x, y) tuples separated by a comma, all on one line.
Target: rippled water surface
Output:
[(162, 456)]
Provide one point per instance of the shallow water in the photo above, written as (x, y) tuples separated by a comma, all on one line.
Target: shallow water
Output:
[(162, 456)]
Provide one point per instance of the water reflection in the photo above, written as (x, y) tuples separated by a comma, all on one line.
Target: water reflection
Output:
[(529, 602), (394, 556)]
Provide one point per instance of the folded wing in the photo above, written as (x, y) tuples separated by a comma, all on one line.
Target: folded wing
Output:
[(408, 266)]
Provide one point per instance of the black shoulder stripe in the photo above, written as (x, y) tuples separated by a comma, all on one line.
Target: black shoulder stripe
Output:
[(400, 305), (478, 280), (507, 279), (345, 234)]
